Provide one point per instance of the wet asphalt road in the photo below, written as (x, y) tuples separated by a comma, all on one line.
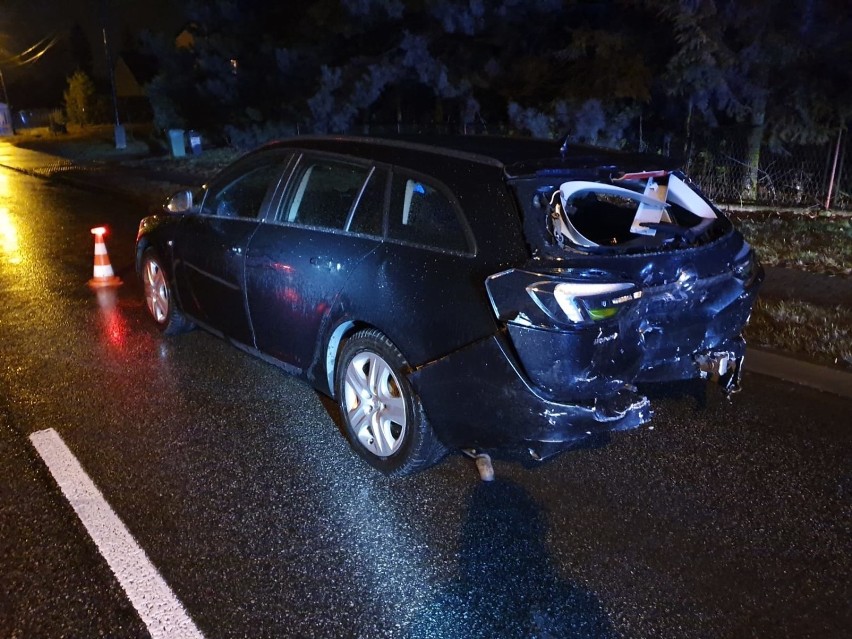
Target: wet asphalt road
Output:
[(723, 520)]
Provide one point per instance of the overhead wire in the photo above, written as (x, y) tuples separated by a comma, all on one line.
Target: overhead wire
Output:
[(41, 47)]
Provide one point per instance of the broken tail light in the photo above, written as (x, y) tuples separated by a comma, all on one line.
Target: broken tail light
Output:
[(555, 301), (582, 301)]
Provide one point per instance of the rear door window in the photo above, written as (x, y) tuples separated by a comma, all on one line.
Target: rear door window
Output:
[(423, 213), (324, 193), (368, 216)]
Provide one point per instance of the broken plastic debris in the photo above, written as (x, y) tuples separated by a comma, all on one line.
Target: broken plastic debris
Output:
[(650, 213), (484, 466), (679, 193), (570, 190), (483, 463)]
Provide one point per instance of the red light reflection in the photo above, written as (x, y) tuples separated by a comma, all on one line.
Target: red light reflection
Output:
[(113, 322)]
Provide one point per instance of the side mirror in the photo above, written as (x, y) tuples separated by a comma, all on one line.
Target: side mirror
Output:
[(180, 202)]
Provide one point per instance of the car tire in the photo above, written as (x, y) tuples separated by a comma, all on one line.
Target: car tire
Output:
[(382, 415), (158, 296)]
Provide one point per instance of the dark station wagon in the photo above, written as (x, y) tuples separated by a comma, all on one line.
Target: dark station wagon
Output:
[(459, 293)]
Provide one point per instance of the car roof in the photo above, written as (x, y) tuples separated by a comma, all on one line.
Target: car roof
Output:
[(517, 156)]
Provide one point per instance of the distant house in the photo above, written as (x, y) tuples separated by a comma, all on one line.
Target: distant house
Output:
[(126, 84), (133, 70), (185, 39)]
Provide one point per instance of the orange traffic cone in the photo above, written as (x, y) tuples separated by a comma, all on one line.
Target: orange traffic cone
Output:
[(103, 275)]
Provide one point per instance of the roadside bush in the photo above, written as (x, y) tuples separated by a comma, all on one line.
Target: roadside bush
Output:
[(80, 100), (254, 135), (57, 122)]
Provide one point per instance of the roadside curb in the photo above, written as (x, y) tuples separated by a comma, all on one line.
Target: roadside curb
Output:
[(81, 184), (793, 370)]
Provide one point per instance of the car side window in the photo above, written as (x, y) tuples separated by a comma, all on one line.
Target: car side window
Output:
[(421, 213), (324, 193), (243, 196)]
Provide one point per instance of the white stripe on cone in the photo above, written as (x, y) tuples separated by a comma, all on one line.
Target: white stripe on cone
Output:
[(102, 273)]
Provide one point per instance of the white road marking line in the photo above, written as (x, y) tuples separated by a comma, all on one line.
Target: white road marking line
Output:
[(160, 610)]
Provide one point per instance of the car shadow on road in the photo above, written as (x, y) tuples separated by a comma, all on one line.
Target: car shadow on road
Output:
[(507, 584), (694, 389)]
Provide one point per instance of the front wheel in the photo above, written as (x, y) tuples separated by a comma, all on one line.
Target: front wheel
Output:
[(383, 418), (158, 296)]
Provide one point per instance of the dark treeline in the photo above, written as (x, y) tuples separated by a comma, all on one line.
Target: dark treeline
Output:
[(593, 69)]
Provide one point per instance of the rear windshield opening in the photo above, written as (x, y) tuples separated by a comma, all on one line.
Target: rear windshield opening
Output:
[(638, 211)]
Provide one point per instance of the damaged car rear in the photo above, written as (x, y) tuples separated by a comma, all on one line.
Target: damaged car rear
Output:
[(635, 277), (468, 293)]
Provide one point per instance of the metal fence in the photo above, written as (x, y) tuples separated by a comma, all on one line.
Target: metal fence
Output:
[(799, 176)]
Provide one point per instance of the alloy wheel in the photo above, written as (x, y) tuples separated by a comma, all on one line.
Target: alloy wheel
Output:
[(156, 291), (374, 404)]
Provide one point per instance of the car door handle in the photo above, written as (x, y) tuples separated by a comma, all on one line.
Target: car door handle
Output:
[(322, 262), (325, 263)]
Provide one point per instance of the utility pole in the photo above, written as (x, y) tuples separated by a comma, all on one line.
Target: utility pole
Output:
[(120, 135), (3, 84)]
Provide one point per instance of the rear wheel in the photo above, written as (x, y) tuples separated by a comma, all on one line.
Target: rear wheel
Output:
[(158, 296), (384, 420)]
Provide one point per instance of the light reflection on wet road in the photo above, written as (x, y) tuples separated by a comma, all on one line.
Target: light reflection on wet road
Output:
[(722, 521)]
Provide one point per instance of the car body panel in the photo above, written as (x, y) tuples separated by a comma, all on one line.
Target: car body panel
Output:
[(479, 397), (293, 278), (432, 325), (209, 270), (691, 303)]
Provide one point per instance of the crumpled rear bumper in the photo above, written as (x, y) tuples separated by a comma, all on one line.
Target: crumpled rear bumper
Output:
[(479, 397), (670, 333)]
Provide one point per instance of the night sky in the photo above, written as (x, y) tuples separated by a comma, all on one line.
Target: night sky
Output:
[(25, 22)]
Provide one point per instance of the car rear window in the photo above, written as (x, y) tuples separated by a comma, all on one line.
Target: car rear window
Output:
[(422, 213)]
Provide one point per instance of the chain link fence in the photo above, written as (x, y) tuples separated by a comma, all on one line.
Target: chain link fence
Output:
[(799, 176)]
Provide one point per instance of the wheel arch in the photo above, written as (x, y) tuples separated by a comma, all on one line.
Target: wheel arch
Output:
[(145, 244), (142, 245), (334, 344), (414, 445)]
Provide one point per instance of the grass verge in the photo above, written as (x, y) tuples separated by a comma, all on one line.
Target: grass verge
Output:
[(819, 333), (817, 244)]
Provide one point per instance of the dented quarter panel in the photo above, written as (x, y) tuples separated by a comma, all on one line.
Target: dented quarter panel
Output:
[(442, 309), (479, 396)]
